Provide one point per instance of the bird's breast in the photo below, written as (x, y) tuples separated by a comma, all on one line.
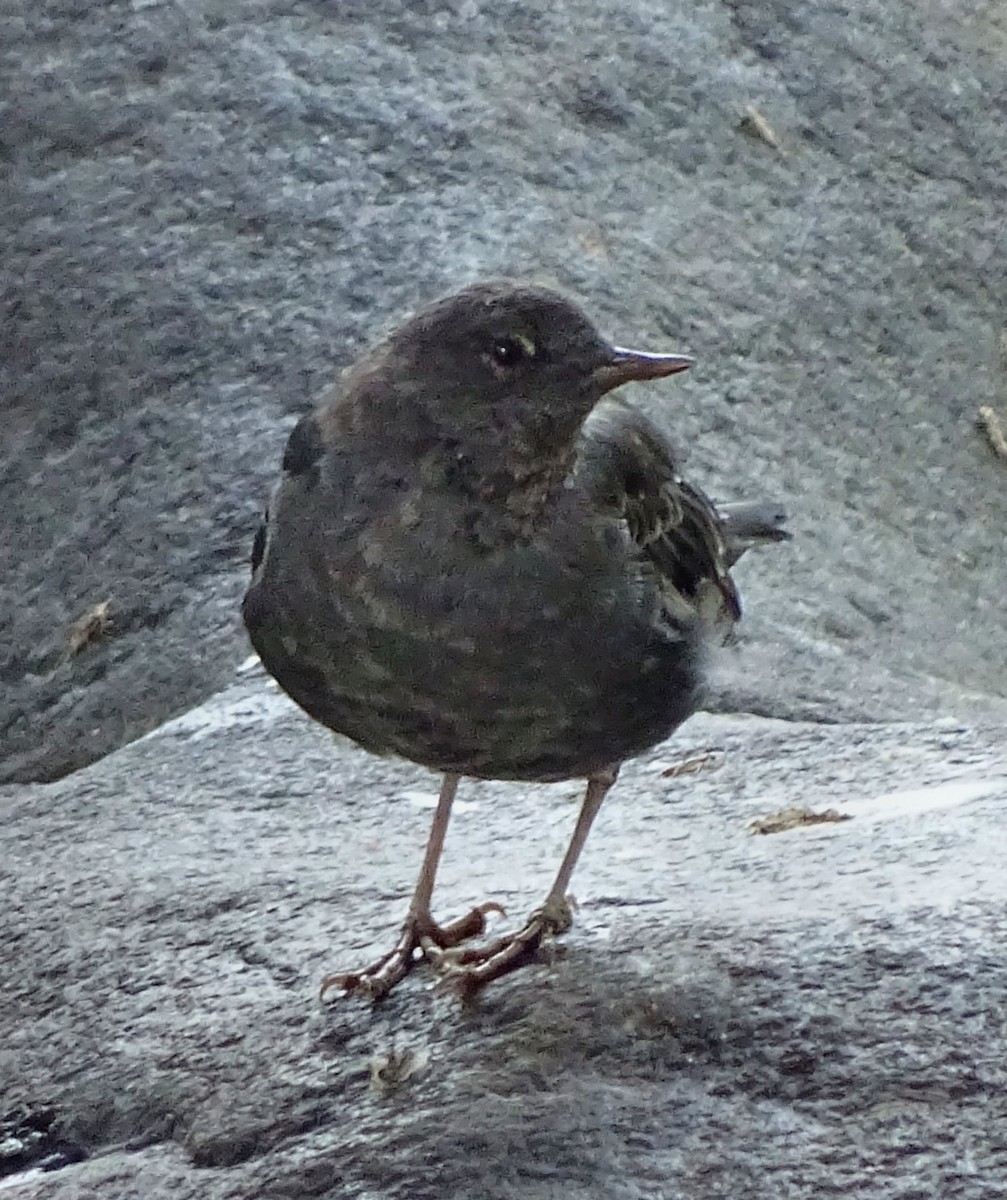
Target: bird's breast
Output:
[(539, 657)]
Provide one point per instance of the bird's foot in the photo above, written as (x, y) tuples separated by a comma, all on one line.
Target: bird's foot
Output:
[(420, 937), (466, 970)]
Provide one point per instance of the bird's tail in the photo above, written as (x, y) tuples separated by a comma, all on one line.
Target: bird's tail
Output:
[(748, 523)]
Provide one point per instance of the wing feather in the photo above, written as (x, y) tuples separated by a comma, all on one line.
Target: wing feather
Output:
[(628, 466)]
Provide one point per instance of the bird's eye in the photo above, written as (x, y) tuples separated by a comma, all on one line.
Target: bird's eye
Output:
[(509, 351)]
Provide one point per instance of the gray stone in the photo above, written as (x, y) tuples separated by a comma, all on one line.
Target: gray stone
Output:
[(208, 209), (799, 1014)]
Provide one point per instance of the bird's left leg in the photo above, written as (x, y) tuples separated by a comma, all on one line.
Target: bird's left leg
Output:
[(466, 971)]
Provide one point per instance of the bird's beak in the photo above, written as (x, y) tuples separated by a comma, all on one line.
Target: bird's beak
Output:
[(626, 366)]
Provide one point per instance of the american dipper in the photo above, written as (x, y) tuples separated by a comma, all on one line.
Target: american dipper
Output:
[(478, 560)]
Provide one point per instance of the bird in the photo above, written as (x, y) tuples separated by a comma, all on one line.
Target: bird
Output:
[(480, 559)]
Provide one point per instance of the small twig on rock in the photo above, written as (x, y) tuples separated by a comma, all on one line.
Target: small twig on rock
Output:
[(795, 818), (989, 423), (755, 125), (391, 1069), (89, 628), (703, 761)]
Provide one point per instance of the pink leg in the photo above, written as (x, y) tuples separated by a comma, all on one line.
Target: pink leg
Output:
[(419, 929), (467, 971)]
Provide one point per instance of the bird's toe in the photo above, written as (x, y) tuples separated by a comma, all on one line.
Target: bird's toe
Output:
[(466, 970)]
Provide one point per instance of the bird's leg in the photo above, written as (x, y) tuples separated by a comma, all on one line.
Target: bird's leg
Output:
[(466, 971), (419, 930)]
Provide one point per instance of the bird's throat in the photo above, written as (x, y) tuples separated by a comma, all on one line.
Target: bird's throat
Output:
[(516, 490)]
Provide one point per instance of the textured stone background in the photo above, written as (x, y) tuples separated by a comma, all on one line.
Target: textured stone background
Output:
[(807, 1014), (207, 209)]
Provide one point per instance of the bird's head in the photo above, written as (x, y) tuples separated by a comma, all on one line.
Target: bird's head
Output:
[(500, 363)]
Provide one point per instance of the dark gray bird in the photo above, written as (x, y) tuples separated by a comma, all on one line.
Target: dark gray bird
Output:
[(478, 560)]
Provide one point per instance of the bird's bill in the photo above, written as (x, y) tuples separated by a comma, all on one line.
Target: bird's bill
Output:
[(627, 366)]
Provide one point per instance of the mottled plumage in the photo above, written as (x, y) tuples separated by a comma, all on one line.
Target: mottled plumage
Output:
[(477, 560)]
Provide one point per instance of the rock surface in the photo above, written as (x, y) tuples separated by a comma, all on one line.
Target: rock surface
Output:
[(208, 209), (815, 1012)]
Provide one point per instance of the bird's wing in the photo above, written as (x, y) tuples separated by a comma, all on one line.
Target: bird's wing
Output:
[(627, 466)]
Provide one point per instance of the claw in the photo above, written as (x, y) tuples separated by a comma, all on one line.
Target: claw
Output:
[(374, 982), (465, 971), (469, 926), (419, 933)]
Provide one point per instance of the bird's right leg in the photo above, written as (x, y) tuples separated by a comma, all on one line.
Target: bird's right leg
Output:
[(419, 928)]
